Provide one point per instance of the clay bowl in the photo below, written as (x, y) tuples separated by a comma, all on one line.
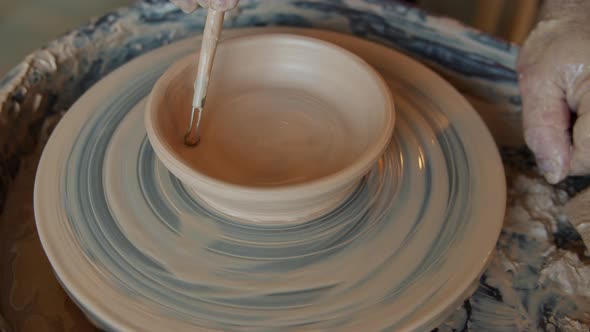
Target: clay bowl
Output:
[(291, 125)]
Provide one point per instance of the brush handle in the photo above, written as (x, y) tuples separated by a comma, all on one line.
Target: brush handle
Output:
[(208, 47)]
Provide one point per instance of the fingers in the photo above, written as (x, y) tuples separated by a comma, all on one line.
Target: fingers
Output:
[(546, 119), (546, 115), (555, 75), (222, 5), (187, 6)]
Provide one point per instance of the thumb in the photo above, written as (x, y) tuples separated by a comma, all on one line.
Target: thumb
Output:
[(223, 5), (546, 119), (187, 6)]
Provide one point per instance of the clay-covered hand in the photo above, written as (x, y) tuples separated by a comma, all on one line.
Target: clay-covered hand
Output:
[(554, 68), (189, 6)]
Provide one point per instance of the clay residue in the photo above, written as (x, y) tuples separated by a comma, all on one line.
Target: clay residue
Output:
[(32, 299), (539, 277)]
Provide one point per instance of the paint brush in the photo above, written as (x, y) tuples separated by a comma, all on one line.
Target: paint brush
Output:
[(211, 35), (578, 211)]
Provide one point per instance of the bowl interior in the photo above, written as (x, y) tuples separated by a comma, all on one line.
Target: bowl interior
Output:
[(280, 110)]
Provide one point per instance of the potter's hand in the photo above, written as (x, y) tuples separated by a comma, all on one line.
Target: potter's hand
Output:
[(554, 68), (189, 6)]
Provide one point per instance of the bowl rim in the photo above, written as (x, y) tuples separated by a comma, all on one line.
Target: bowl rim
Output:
[(351, 172)]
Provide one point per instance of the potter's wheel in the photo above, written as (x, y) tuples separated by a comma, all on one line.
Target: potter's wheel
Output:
[(137, 251)]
